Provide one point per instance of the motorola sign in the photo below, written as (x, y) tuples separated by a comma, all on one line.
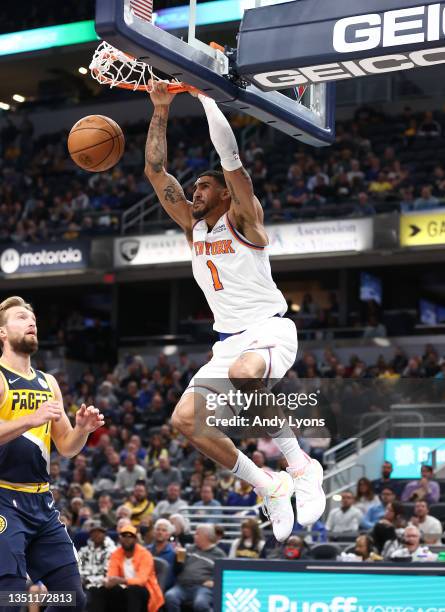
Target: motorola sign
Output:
[(332, 45), (10, 261), (36, 259)]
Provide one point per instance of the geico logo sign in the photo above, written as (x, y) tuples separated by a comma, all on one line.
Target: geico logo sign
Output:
[(281, 603), (284, 79), (11, 260), (407, 26)]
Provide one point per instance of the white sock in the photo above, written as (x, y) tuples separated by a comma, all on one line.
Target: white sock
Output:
[(288, 445), (245, 469)]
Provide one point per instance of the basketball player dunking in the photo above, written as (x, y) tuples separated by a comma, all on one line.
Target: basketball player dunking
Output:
[(225, 230), (32, 538)]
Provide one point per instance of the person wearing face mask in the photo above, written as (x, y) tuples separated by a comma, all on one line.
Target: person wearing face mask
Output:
[(294, 549), (145, 529)]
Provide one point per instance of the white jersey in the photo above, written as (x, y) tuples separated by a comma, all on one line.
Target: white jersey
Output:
[(235, 277)]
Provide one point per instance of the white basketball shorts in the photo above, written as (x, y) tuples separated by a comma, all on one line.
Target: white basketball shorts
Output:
[(275, 339)]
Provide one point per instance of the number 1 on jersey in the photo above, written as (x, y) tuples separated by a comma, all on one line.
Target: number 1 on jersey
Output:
[(217, 284)]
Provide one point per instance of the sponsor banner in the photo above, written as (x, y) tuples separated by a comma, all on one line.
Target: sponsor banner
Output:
[(407, 455), (305, 239), (338, 40), (260, 590), (149, 250), (39, 259), (339, 236), (422, 229)]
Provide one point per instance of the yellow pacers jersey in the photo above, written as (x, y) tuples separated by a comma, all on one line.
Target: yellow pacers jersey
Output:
[(25, 459)]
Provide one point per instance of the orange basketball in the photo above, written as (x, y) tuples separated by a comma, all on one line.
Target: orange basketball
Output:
[(96, 143)]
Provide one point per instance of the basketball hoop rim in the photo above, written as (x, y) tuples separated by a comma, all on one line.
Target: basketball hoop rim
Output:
[(106, 53)]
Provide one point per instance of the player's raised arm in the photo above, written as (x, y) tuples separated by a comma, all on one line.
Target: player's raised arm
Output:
[(245, 205), (168, 190)]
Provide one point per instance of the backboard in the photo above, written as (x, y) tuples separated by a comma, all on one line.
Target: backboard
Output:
[(128, 26)]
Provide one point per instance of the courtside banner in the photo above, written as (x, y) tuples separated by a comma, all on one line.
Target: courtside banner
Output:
[(296, 586), (285, 240), (407, 455), (422, 228), (54, 257), (315, 41)]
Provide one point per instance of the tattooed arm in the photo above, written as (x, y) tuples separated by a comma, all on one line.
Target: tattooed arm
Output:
[(167, 188)]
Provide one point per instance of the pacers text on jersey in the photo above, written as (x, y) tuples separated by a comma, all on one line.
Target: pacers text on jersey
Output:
[(26, 399)]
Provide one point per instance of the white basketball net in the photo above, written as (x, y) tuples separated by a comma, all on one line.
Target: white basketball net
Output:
[(112, 67)]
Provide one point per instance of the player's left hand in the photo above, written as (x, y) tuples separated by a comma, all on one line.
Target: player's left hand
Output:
[(89, 419)]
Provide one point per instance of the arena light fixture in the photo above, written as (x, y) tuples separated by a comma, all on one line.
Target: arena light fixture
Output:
[(336, 497), (170, 349), (18, 98), (382, 342), (4, 106), (83, 70)]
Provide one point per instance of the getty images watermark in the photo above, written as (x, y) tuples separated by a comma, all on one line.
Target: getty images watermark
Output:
[(256, 402), (255, 413), (318, 407)]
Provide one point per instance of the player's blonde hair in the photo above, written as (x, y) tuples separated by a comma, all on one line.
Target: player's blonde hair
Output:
[(10, 302)]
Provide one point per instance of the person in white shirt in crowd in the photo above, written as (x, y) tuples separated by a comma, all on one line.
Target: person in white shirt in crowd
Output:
[(346, 518), (93, 561), (429, 526), (411, 547), (365, 496), (128, 476), (172, 504)]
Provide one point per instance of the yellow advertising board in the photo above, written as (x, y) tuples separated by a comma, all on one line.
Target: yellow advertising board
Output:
[(422, 229)]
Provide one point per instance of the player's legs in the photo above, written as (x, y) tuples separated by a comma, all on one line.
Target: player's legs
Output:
[(276, 490), (50, 556), (9, 584), (247, 373), (12, 547), (65, 578), (219, 448)]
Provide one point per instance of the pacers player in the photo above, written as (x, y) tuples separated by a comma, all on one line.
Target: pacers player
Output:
[(224, 228), (32, 539)]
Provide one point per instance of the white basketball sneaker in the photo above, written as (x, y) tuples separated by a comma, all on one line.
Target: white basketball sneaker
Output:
[(277, 505), (309, 494)]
